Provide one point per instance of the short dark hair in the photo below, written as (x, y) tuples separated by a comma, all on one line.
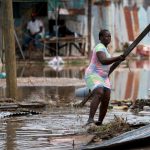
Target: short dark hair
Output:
[(101, 32), (33, 14)]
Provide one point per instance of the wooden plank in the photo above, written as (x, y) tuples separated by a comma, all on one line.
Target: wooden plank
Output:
[(77, 42)]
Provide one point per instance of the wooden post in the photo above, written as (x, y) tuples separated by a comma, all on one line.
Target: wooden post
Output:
[(0, 30), (89, 5), (9, 44)]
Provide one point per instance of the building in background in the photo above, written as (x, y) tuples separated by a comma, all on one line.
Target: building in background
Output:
[(124, 18)]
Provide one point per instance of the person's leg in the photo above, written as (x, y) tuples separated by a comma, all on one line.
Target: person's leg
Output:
[(104, 105), (26, 40), (98, 93), (37, 43)]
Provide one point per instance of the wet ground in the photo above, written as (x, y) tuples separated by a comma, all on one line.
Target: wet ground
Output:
[(59, 117), (48, 129)]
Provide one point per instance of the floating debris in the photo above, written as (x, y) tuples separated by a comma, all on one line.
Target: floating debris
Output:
[(112, 129)]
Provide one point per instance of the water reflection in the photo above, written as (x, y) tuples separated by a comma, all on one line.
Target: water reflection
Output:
[(69, 71), (141, 64), (47, 94), (41, 70), (11, 135), (132, 84), (126, 84)]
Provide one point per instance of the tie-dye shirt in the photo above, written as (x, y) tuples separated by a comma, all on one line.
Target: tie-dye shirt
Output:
[(96, 75)]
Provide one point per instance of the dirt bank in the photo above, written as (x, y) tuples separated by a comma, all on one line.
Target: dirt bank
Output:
[(34, 81)]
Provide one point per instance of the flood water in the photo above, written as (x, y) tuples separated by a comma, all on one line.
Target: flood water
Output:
[(135, 83), (59, 117)]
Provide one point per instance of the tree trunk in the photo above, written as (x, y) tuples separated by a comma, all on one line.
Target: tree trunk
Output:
[(9, 44)]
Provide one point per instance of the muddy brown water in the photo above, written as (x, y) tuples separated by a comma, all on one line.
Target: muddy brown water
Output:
[(59, 118), (127, 82)]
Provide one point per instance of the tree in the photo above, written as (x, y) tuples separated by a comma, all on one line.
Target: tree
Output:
[(9, 45)]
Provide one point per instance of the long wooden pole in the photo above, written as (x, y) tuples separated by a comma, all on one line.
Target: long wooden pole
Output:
[(9, 44)]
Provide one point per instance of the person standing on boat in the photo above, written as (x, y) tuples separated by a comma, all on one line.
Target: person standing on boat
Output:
[(97, 77)]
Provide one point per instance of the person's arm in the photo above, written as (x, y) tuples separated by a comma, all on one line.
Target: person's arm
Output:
[(40, 27), (28, 28), (29, 32), (107, 61)]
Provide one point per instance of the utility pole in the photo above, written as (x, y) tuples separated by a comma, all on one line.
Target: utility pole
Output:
[(9, 45), (89, 5)]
